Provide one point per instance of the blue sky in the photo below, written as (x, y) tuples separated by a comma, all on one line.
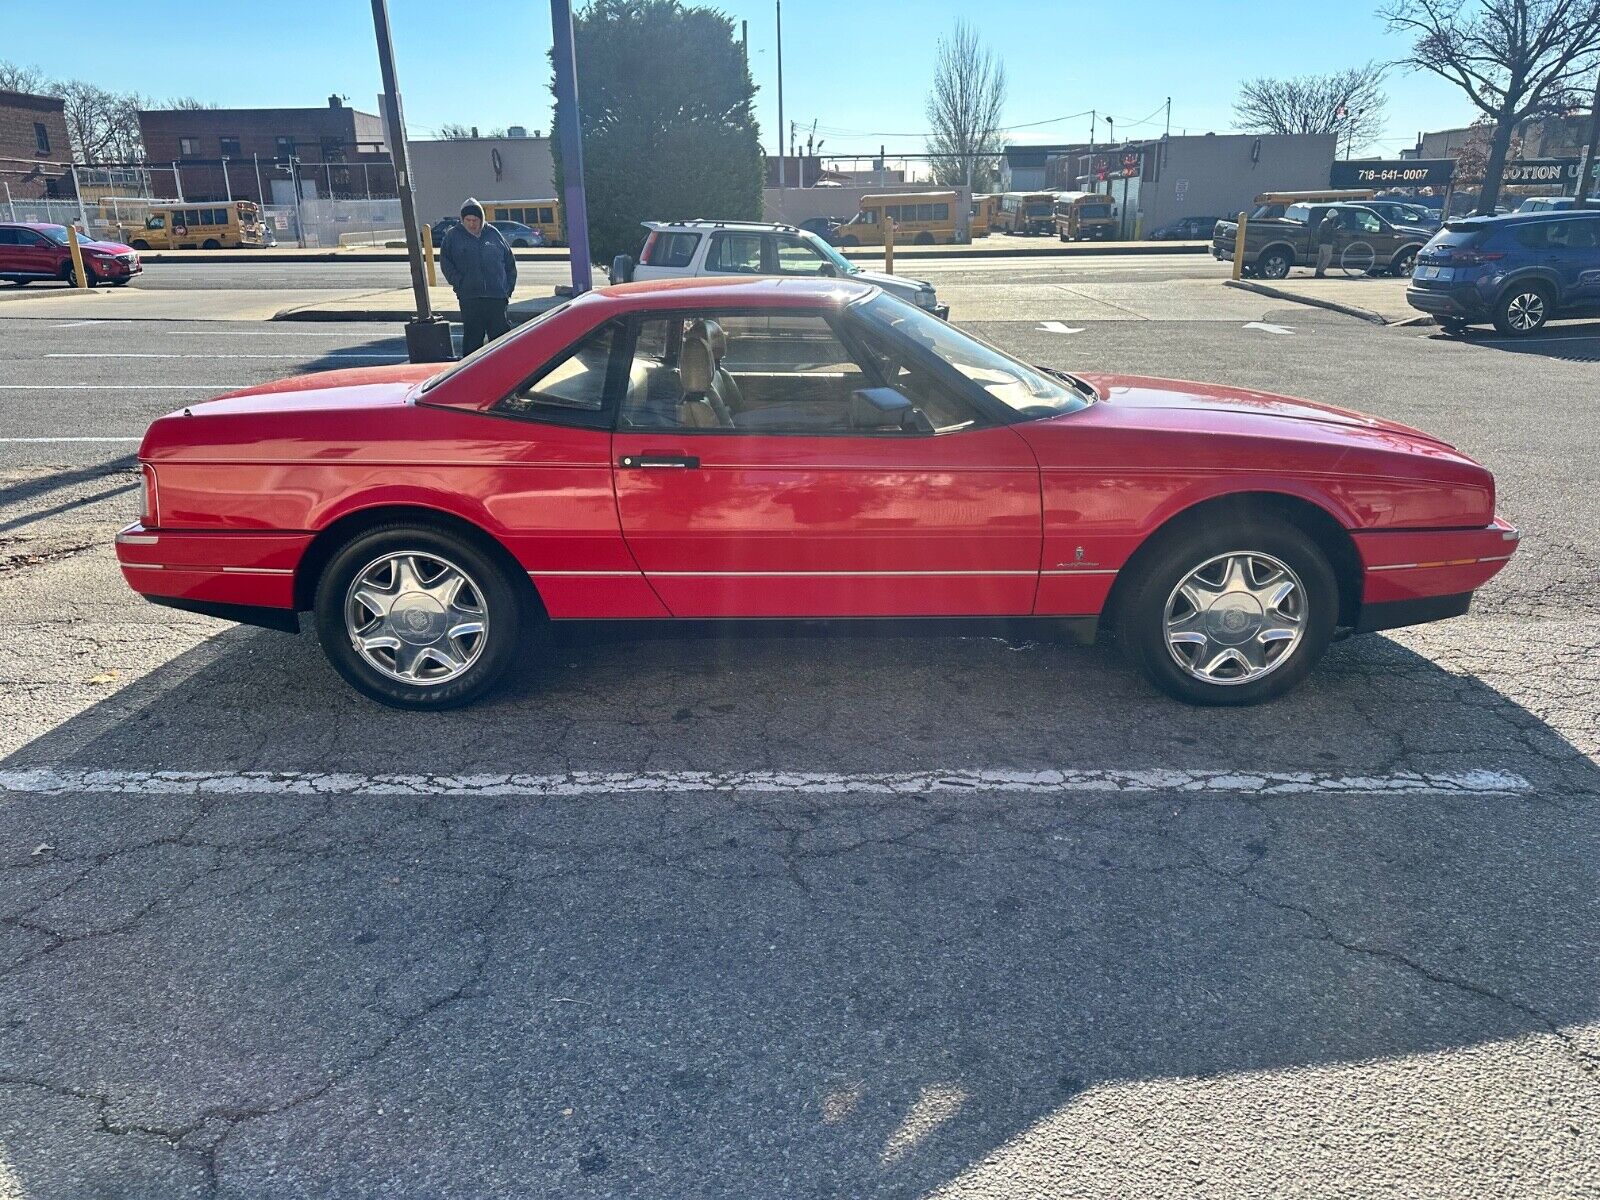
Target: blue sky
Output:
[(850, 66)]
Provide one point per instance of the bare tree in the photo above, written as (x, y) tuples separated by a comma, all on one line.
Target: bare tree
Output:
[(969, 91), (188, 103), (1514, 59), (1349, 103), (454, 131), (14, 77), (103, 125)]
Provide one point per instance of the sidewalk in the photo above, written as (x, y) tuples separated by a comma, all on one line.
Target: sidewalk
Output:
[(1380, 299), (399, 305)]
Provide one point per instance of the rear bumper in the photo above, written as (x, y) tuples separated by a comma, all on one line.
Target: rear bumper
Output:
[(1436, 564), (1464, 302), (237, 570)]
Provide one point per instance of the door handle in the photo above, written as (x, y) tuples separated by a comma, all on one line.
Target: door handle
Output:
[(680, 462)]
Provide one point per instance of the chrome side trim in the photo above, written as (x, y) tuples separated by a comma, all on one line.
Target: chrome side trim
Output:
[(255, 570), (142, 567), (1449, 562), (804, 574)]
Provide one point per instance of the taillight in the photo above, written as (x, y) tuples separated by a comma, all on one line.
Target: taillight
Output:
[(649, 244), (1474, 258), (148, 514)]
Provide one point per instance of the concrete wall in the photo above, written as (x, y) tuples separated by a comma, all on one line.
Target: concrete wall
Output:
[(1213, 176), (794, 205), (446, 172)]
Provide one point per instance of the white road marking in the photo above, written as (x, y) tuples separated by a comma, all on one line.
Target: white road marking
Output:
[(11, 441), (122, 387), (50, 781), (1058, 327), (295, 357), (1265, 328)]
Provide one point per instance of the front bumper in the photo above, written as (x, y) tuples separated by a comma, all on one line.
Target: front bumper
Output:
[(1415, 565)]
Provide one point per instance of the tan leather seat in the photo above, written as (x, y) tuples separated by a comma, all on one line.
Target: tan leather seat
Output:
[(696, 369), (726, 397)]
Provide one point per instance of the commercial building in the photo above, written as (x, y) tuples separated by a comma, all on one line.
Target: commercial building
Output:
[(1028, 168), (444, 172), (212, 153), (34, 147), (1538, 137), (1208, 175)]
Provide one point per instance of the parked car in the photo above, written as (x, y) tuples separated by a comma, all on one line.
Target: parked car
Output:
[(1402, 212), (823, 227), (31, 251), (1518, 271), (687, 249), (1534, 204), (1185, 229), (518, 235), (1366, 242), (443, 226), (725, 449)]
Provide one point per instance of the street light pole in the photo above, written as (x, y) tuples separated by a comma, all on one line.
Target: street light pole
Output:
[(427, 336), (570, 131), (227, 184), (780, 94)]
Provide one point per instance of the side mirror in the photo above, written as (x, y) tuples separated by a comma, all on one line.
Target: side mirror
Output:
[(879, 408), (621, 269)]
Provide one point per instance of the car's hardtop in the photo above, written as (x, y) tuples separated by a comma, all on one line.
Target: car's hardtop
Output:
[(701, 225), (1507, 220), (710, 291)]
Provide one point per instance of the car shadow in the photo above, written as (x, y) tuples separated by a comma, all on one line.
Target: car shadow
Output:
[(1572, 341), (695, 993)]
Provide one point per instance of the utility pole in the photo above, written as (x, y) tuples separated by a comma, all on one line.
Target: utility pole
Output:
[(177, 182), (227, 184), (427, 336), (570, 132), (1094, 116), (1167, 133), (1591, 155), (780, 93), (261, 195)]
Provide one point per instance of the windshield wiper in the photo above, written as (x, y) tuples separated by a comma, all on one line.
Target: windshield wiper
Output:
[(1081, 386)]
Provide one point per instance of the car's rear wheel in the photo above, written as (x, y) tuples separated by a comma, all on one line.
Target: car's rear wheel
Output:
[(1523, 308), (211, 244), (1403, 261), (1274, 263), (415, 618), (1230, 616), (140, 244)]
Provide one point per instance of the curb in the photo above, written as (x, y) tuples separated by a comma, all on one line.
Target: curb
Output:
[(1349, 310)]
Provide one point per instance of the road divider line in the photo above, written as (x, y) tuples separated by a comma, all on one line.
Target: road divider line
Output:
[(293, 357), (122, 387), (31, 441), (53, 781)]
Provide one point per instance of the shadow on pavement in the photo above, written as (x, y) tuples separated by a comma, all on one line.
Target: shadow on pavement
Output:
[(1570, 341), (750, 996)]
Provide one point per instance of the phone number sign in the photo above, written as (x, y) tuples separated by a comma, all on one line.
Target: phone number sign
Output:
[(1399, 172)]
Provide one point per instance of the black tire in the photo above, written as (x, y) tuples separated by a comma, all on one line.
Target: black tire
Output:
[(69, 275), (922, 239), (211, 244), (849, 239), (521, 244), (1523, 308), (140, 244), (1404, 260), (1274, 263), (506, 617), (1143, 607), (1453, 326)]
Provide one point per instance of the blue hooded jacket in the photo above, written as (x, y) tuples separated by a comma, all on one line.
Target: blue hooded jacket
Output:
[(478, 266)]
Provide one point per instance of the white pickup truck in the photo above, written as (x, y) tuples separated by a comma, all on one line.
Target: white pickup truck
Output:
[(685, 249)]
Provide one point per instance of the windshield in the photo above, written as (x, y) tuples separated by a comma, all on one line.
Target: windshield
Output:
[(1027, 390), (1093, 211), (844, 265), (489, 347), (58, 234), (1039, 210)]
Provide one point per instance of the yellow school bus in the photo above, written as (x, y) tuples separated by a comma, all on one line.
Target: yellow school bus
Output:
[(1083, 215), (982, 217), (1026, 212), (192, 226), (920, 219), (543, 215)]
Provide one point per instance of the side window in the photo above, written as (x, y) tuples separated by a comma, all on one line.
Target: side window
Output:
[(768, 373), (941, 212), (156, 222), (8, 237), (571, 390), (1368, 222), (670, 249), (1533, 236), (894, 365), (924, 212), (869, 216), (738, 253), (547, 216), (796, 257)]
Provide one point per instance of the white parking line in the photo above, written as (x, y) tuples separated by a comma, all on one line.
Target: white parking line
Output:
[(13, 441), (122, 387), (49, 781)]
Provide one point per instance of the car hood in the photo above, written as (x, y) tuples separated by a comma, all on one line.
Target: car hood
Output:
[(105, 247), (1172, 397), (895, 285)]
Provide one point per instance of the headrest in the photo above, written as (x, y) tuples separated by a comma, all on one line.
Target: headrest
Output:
[(719, 340), (695, 366)]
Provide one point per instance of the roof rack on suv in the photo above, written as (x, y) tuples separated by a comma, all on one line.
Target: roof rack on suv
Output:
[(709, 224)]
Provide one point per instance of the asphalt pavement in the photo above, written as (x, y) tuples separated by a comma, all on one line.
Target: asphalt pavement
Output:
[(801, 916)]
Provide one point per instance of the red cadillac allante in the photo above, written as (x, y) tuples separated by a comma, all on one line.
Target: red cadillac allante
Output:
[(786, 448)]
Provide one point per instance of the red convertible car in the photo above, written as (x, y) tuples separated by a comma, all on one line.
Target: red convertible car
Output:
[(800, 449)]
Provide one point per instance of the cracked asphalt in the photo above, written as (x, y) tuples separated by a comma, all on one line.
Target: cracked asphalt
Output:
[(971, 990)]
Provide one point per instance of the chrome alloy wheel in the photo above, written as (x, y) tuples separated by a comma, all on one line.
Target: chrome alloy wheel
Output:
[(1235, 617), (416, 617), (1525, 311)]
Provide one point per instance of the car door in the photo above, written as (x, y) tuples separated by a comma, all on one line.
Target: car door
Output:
[(791, 255), (735, 252), (37, 255), (748, 485)]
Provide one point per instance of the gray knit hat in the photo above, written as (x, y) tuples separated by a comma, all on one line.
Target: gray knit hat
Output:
[(471, 208)]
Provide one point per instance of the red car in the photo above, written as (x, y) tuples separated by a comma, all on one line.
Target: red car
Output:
[(35, 250), (797, 448)]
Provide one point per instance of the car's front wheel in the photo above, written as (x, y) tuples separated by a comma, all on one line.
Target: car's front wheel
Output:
[(1231, 616), (1403, 261), (415, 618), (1274, 264)]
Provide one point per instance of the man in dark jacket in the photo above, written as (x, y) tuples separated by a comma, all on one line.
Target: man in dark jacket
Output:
[(479, 266), (1327, 235)]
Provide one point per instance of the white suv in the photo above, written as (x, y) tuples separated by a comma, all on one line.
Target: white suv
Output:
[(680, 249)]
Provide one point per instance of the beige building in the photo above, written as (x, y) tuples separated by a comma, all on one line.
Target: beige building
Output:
[(444, 172)]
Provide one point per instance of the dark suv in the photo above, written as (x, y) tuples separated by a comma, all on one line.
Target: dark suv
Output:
[(1517, 271)]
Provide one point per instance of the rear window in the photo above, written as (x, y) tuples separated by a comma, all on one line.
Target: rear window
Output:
[(669, 249), (1459, 236), (1298, 212)]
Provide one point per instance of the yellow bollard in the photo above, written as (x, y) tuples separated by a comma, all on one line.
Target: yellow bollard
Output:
[(888, 245), (427, 253), (77, 255), (1238, 246)]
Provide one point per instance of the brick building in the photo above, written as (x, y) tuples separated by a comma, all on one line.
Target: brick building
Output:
[(332, 146), (34, 147)]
